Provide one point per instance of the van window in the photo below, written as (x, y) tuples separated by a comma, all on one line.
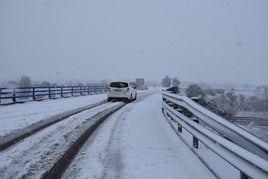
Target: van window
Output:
[(119, 85)]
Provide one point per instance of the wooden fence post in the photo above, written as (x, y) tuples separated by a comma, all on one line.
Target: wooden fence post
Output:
[(49, 92), (72, 91), (81, 93), (34, 94), (14, 95), (61, 92)]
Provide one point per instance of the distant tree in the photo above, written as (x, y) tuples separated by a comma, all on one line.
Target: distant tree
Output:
[(176, 82), (11, 84), (194, 90), (266, 105), (241, 98), (223, 106), (25, 81), (79, 84), (254, 103), (210, 92), (166, 82), (45, 84), (54, 84), (232, 97), (243, 104), (104, 82), (219, 91)]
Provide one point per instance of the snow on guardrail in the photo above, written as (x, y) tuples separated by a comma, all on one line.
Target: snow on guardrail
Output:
[(241, 149)]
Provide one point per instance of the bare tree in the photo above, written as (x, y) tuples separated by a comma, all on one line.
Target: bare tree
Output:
[(176, 82), (25, 81), (194, 90), (45, 84), (166, 82)]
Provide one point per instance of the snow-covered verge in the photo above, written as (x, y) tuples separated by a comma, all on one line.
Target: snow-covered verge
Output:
[(259, 131), (252, 114), (228, 148), (254, 122), (18, 116)]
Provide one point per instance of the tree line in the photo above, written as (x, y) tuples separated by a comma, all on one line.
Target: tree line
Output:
[(225, 103), (167, 82), (25, 81)]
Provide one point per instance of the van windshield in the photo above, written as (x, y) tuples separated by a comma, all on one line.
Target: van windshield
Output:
[(119, 85)]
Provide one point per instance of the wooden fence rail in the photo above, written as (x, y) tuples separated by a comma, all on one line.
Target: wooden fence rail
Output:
[(19, 94)]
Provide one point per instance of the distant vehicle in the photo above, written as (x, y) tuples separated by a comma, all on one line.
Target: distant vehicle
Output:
[(173, 89), (121, 91)]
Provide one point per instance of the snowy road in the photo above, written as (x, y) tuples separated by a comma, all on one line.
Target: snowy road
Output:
[(135, 142)]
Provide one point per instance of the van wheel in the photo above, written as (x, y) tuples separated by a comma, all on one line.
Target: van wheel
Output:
[(130, 99)]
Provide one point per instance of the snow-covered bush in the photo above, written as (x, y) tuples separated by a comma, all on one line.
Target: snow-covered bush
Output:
[(194, 90)]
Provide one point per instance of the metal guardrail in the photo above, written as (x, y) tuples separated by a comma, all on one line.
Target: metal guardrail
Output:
[(38, 93), (239, 148)]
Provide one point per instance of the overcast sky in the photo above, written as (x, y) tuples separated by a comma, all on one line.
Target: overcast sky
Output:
[(193, 40)]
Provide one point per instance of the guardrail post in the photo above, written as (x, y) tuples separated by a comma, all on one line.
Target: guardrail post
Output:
[(179, 128), (72, 91), (195, 140), (61, 92), (88, 90), (14, 95), (81, 93), (243, 176), (34, 94)]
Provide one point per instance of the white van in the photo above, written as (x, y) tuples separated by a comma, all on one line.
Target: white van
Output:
[(121, 91)]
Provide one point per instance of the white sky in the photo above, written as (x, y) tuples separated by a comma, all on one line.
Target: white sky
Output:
[(208, 40)]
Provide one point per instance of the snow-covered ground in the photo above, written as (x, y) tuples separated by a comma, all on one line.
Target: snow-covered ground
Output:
[(257, 130), (252, 114), (254, 122), (21, 115), (135, 142)]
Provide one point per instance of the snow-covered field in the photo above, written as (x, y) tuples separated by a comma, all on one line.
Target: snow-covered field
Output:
[(21, 115), (257, 130), (135, 142)]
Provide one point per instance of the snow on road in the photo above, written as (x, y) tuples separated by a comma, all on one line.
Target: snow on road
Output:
[(137, 142)]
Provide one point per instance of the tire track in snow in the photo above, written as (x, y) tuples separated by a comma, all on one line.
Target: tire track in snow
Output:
[(37, 154), (12, 139)]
